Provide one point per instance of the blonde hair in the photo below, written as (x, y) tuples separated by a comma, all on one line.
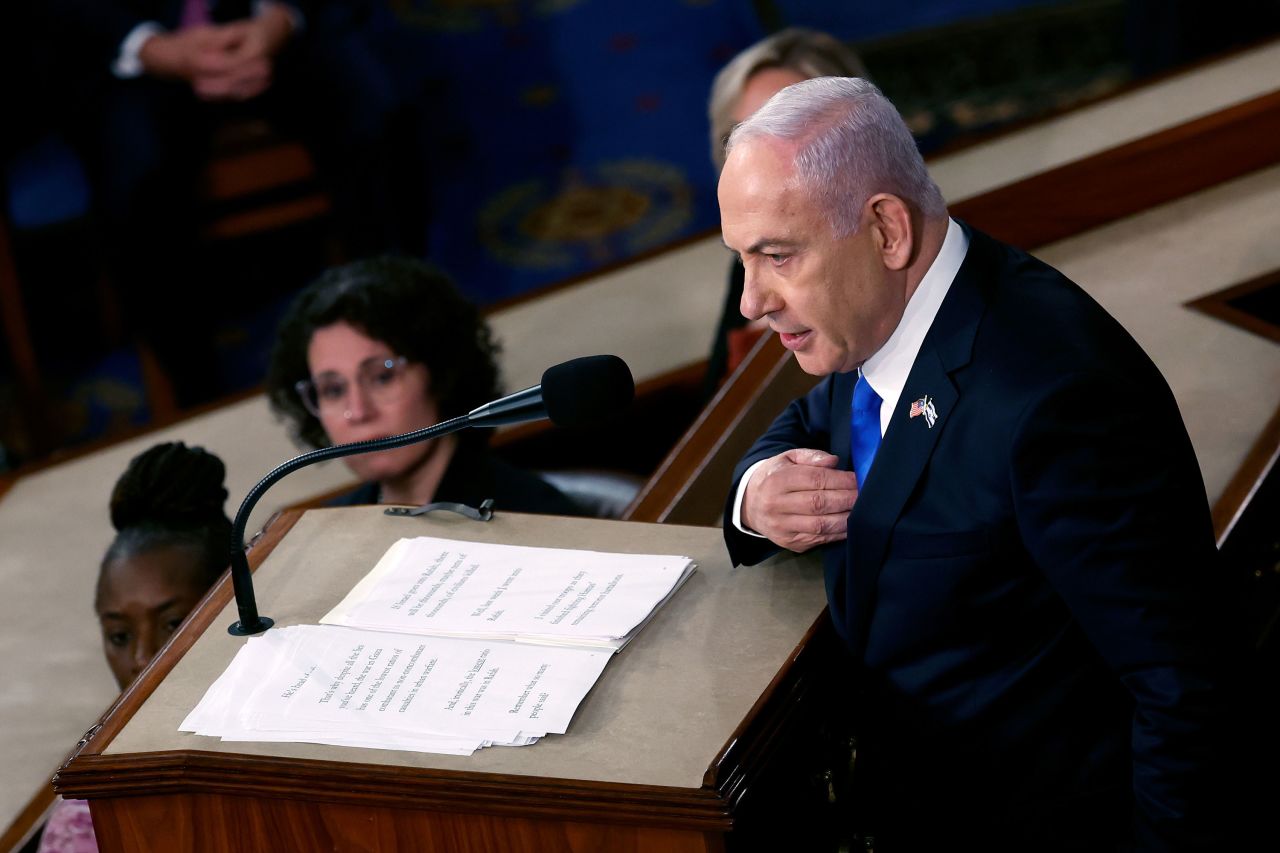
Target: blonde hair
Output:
[(807, 52)]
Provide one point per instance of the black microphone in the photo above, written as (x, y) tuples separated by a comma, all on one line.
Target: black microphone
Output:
[(580, 392)]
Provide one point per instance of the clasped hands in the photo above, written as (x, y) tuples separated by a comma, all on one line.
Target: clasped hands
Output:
[(799, 499), (222, 62)]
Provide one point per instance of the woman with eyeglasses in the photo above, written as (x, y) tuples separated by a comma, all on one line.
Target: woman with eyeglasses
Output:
[(385, 346)]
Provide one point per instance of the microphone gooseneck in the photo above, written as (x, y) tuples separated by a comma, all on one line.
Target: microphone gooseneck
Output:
[(575, 393), (514, 408), (241, 580)]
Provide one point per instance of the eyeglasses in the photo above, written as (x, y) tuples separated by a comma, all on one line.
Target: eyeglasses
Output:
[(380, 380)]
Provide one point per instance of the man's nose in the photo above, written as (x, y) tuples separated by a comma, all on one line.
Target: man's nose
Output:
[(758, 299)]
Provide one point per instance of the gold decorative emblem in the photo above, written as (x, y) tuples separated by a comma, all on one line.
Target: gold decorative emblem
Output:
[(598, 215)]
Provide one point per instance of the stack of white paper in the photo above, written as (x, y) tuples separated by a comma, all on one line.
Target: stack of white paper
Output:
[(448, 588), (445, 647), (350, 687)]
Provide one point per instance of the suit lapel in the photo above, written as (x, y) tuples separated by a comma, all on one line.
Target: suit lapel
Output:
[(909, 442), (841, 409), (833, 556)]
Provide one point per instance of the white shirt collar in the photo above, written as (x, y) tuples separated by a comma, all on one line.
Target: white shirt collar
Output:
[(887, 369)]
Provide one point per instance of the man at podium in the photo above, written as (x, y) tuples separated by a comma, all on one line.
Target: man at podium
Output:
[(1017, 543)]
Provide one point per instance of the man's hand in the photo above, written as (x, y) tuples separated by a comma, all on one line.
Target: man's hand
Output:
[(241, 82), (261, 37), (799, 499), (189, 53), (222, 62)]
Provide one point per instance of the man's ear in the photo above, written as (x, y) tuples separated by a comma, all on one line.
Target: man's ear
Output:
[(890, 220)]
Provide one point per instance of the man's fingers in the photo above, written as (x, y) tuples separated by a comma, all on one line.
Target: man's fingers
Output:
[(808, 478), (832, 524), (209, 39), (800, 499), (226, 36), (809, 502), (809, 456), (827, 501), (812, 531), (246, 47), (243, 78), (214, 63)]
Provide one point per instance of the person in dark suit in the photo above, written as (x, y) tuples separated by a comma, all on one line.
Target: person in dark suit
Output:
[(1017, 543), (153, 82), (385, 346)]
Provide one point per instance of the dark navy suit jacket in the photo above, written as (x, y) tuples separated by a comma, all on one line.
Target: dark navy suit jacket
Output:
[(1029, 589)]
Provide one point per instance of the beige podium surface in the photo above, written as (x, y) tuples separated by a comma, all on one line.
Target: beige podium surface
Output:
[(665, 742)]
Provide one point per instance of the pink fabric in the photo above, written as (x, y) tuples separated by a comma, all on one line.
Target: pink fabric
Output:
[(194, 13), (69, 829)]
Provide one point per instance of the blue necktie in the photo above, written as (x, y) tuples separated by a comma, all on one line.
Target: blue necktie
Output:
[(864, 437)]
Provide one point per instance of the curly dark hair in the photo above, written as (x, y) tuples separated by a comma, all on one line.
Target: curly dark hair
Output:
[(409, 305), (173, 496)]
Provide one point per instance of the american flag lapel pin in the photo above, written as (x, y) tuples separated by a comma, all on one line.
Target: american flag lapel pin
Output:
[(924, 406)]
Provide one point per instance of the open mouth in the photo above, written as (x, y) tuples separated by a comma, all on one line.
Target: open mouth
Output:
[(794, 341)]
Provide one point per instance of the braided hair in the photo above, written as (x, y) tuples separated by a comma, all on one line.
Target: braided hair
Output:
[(172, 496)]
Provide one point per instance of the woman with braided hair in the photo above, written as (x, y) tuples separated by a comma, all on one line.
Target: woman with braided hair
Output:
[(172, 543)]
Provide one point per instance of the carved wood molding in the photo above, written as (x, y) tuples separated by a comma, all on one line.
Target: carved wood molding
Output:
[(396, 787)]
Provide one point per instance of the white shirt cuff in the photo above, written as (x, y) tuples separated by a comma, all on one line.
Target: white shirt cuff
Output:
[(737, 500), (128, 63)]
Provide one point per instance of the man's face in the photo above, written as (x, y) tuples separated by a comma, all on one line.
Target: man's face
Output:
[(831, 301)]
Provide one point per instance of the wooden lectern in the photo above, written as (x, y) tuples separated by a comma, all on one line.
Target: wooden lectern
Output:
[(705, 733)]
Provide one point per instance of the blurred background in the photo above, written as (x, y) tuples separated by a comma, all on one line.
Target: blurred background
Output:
[(528, 143)]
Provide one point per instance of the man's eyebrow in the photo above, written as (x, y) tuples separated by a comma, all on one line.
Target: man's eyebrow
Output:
[(771, 243), (760, 245)]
